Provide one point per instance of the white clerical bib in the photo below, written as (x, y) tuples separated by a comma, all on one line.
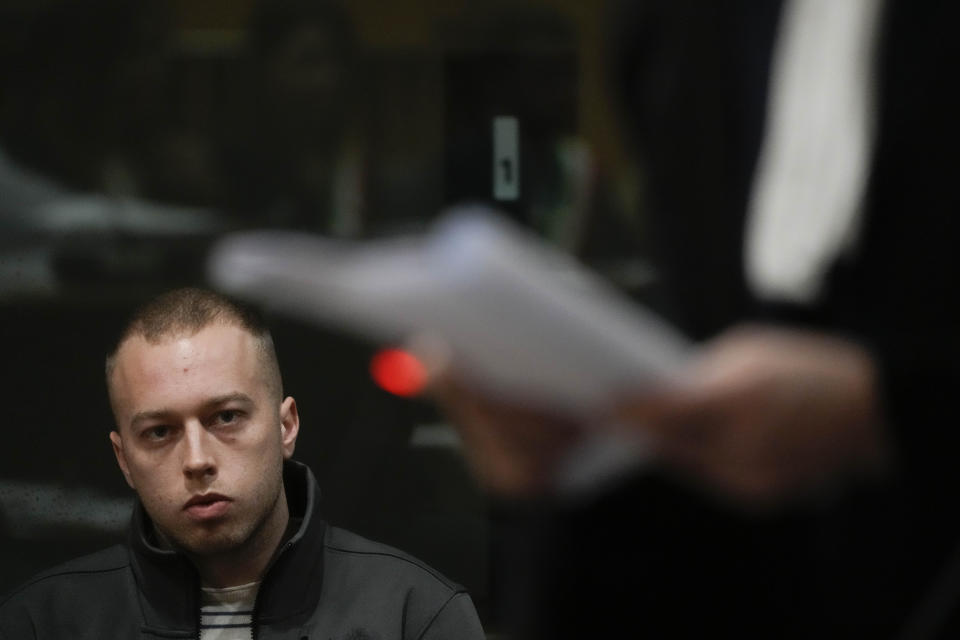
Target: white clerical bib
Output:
[(814, 163)]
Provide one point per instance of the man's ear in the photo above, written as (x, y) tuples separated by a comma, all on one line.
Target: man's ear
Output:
[(117, 442), (289, 426)]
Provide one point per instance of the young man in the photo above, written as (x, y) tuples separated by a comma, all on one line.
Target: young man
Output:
[(226, 540)]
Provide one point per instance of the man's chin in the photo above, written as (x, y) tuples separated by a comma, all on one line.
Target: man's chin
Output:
[(211, 544), (204, 542)]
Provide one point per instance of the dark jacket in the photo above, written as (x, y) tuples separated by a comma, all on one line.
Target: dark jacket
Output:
[(324, 583)]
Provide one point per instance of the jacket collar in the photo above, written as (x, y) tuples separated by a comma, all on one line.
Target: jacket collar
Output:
[(169, 585)]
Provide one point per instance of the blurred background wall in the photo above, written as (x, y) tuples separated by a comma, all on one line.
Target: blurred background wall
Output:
[(133, 134)]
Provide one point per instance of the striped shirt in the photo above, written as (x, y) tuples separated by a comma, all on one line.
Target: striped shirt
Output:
[(227, 614)]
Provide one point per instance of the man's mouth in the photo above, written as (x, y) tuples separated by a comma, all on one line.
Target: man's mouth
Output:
[(207, 506)]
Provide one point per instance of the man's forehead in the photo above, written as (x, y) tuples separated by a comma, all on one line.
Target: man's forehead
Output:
[(226, 345), (186, 368)]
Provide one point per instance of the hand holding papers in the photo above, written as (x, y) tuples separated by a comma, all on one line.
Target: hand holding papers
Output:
[(524, 324)]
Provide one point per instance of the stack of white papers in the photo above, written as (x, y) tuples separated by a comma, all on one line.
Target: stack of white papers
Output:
[(522, 320)]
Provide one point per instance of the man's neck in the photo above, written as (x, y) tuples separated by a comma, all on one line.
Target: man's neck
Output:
[(250, 561)]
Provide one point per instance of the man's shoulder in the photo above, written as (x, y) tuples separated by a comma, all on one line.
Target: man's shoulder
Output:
[(380, 587), (367, 555), (93, 596), (79, 575)]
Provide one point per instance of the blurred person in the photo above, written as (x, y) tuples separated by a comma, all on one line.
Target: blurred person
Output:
[(226, 540), (299, 158), (797, 165)]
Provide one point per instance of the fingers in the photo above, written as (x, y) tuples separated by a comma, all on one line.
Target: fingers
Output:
[(767, 416), (513, 450), (761, 415)]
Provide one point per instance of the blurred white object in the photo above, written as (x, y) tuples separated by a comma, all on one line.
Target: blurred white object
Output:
[(39, 219), (523, 321), (34, 208), (806, 208)]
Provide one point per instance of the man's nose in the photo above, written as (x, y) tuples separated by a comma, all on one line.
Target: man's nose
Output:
[(198, 458)]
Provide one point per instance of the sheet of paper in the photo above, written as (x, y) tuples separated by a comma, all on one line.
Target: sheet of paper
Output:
[(522, 320)]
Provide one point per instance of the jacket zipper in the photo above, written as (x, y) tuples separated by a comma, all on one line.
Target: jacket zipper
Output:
[(254, 623), (199, 611), (254, 617)]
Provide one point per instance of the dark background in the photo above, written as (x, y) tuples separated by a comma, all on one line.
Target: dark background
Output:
[(355, 121)]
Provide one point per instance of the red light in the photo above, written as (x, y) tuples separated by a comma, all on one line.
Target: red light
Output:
[(398, 372)]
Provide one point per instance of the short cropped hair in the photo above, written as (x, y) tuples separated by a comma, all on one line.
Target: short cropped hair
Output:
[(187, 311)]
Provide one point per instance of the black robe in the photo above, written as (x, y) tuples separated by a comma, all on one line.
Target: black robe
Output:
[(656, 559)]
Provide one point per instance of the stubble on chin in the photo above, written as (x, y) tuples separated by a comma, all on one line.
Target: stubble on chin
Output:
[(232, 536)]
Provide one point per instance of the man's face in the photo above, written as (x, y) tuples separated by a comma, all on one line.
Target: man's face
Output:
[(201, 438)]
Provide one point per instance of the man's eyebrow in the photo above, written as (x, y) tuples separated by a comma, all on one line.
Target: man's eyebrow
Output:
[(236, 396), (163, 414), (143, 416)]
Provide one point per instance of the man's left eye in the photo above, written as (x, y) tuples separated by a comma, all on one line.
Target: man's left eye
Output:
[(157, 433), (227, 417)]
